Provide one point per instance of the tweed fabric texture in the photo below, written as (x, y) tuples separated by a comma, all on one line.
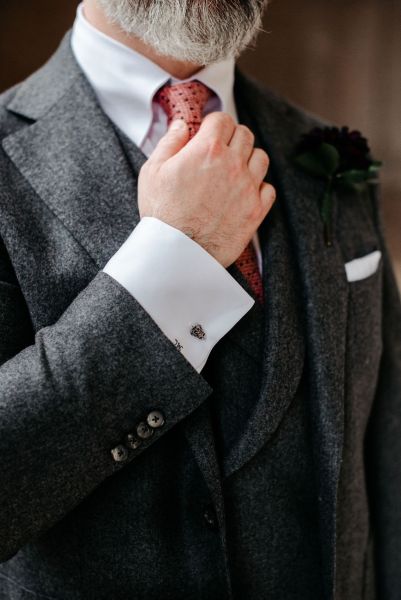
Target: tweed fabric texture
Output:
[(285, 537), (82, 364)]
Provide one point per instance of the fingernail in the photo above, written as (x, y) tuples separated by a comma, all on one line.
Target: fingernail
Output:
[(177, 124)]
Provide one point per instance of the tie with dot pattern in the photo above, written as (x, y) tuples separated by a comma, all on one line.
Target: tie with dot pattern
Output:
[(187, 101)]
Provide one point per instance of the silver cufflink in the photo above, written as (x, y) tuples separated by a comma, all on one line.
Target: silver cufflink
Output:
[(198, 332)]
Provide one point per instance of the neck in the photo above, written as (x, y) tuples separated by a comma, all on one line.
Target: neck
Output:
[(96, 17)]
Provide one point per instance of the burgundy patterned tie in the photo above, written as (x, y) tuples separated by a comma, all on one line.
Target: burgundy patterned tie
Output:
[(187, 101)]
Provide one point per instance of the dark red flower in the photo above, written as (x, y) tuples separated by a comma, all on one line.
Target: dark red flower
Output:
[(352, 147)]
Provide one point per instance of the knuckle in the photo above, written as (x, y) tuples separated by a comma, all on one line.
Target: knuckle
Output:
[(225, 119), (236, 165), (215, 147), (272, 191), (219, 119), (262, 157), (268, 193), (246, 133)]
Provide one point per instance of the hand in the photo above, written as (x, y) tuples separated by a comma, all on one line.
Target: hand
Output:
[(210, 187)]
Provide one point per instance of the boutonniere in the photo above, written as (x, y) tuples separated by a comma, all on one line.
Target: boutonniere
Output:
[(340, 156)]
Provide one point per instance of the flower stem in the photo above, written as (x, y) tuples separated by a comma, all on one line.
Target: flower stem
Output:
[(327, 213)]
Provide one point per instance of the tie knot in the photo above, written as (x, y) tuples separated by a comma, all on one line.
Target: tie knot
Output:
[(185, 101)]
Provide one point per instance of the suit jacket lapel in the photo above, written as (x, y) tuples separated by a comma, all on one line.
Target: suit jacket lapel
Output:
[(325, 296), (277, 323), (73, 159)]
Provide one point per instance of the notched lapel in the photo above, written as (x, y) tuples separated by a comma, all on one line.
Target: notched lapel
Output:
[(73, 159)]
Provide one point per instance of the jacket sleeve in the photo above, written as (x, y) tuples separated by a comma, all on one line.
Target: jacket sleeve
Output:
[(384, 439), (71, 396)]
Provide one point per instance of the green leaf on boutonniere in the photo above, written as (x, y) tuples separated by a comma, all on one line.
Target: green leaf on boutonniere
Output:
[(374, 170), (376, 165), (323, 162), (353, 178)]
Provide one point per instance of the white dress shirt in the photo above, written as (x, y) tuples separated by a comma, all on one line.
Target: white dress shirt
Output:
[(175, 280)]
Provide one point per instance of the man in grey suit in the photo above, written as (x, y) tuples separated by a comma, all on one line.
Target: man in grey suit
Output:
[(199, 397)]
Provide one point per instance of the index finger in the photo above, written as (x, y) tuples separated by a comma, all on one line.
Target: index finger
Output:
[(218, 125)]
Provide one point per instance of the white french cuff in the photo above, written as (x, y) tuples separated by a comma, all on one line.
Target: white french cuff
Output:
[(189, 294)]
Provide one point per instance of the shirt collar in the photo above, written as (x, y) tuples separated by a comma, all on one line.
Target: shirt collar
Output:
[(125, 81)]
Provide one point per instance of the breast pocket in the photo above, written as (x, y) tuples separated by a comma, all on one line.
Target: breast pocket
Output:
[(365, 319), (363, 267)]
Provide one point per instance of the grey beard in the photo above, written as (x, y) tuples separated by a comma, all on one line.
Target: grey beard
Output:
[(196, 31)]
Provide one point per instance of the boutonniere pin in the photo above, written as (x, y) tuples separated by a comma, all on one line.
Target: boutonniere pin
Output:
[(340, 156)]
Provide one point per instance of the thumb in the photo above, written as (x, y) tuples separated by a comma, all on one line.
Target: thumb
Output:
[(175, 139)]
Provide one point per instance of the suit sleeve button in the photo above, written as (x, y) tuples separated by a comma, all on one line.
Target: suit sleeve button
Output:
[(143, 431), (156, 419), (119, 453), (133, 442)]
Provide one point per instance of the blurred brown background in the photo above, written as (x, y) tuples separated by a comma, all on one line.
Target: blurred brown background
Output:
[(338, 58)]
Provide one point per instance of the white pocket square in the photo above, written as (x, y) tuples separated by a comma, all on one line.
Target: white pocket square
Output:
[(364, 267)]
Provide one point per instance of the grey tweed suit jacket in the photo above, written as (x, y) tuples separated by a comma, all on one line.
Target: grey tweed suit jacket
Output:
[(310, 386)]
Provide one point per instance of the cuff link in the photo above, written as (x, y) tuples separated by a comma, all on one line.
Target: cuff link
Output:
[(198, 332)]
